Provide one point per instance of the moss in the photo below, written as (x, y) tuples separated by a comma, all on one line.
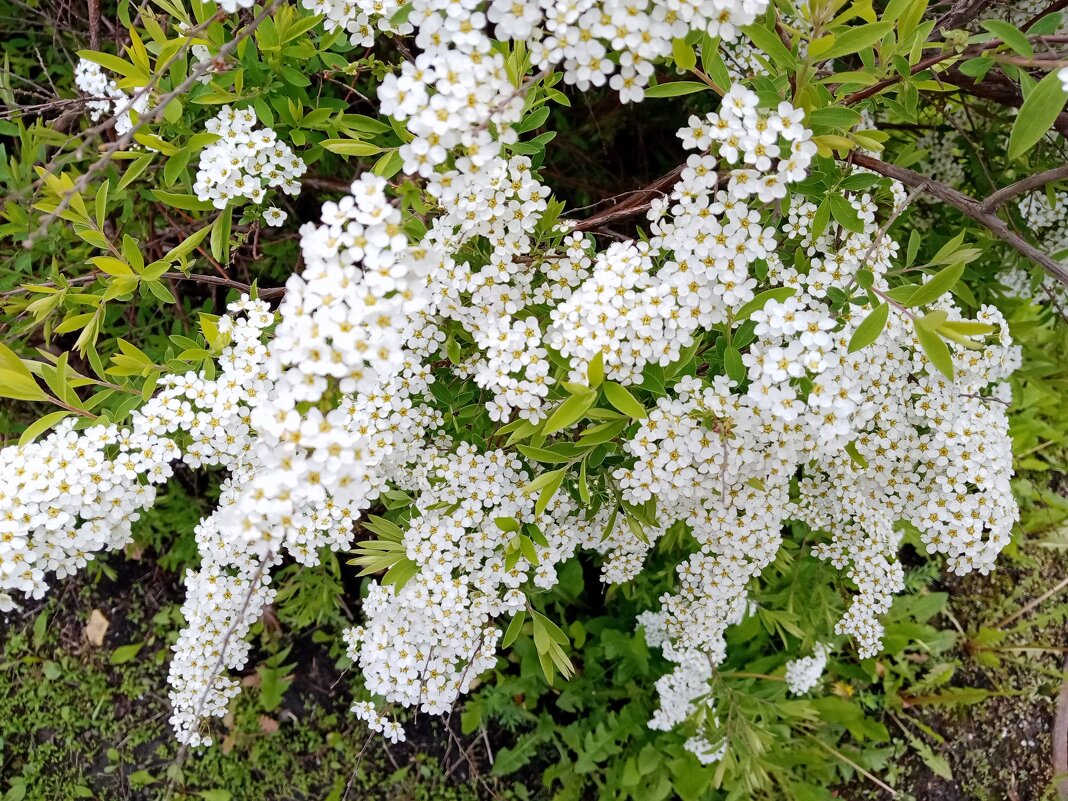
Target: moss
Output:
[(73, 725)]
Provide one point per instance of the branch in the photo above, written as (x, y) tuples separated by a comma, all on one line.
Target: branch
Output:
[(1002, 196), (938, 58), (635, 205), (962, 12), (969, 207), (1000, 90), (1057, 6), (196, 278)]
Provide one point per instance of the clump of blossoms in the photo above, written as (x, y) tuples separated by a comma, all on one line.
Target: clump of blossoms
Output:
[(105, 98), (456, 92), (803, 674), (70, 495), (245, 162), (321, 407)]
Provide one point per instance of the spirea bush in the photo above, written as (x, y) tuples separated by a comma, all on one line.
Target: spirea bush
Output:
[(731, 397)]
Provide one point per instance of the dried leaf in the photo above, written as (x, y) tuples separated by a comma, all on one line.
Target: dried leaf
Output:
[(96, 628)]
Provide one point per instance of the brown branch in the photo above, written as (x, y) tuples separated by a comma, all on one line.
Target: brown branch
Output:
[(637, 203), (94, 24), (938, 58), (961, 13), (969, 207), (998, 89), (264, 294), (1002, 196)]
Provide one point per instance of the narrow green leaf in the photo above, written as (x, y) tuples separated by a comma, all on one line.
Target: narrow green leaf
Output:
[(733, 365), (856, 39), (516, 626), (761, 300), (569, 412), (548, 491), (1010, 35), (938, 285), (126, 653), (675, 89)]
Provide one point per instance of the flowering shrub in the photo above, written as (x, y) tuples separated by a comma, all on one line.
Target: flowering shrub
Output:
[(771, 371)]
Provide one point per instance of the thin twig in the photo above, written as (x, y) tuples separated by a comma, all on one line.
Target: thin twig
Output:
[(866, 774), (1027, 607)]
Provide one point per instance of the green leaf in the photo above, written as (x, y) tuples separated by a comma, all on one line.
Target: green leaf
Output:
[(936, 349), (20, 386), (38, 427), (939, 284), (856, 455), (732, 364), (554, 455), (400, 574), (137, 166), (844, 213), (769, 41), (595, 370), (506, 523), (684, 54), (834, 117), (675, 89), (870, 328), (621, 399), (351, 147), (180, 201), (548, 491), (1010, 35), (1037, 115), (544, 480), (220, 236), (126, 653), (569, 412), (516, 626), (856, 39), (761, 300)]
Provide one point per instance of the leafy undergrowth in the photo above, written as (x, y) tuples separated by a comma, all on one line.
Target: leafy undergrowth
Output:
[(91, 721), (985, 735)]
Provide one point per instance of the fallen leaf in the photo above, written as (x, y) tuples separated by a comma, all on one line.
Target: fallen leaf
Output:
[(96, 628), (268, 725)]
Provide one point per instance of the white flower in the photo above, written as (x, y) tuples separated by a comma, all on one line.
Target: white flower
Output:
[(274, 216)]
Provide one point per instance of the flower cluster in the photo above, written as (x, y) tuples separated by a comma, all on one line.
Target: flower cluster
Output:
[(803, 674), (323, 407), (424, 644), (245, 162), (646, 301), (105, 98), (457, 92), (70, 495)]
